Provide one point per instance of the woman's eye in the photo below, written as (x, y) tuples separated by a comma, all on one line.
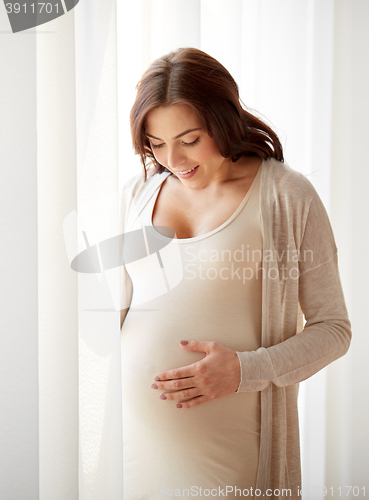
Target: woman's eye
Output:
[(157, 146), (191, 143)]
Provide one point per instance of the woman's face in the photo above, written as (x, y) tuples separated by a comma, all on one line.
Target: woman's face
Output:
[(180, 144)]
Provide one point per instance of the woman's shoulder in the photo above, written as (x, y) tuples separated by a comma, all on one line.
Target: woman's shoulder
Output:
[(294, 204), (294, 197), (137, 191), (287, 182)]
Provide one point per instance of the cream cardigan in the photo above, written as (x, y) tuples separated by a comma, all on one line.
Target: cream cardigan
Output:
[(300, 277)]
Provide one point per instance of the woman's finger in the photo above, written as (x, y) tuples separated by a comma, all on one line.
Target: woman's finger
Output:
[(192, 402), (198, 345), (193, 392), (175, 385), (178, 373)]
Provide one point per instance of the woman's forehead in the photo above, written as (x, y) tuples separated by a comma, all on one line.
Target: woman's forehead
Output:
[(171, 120)]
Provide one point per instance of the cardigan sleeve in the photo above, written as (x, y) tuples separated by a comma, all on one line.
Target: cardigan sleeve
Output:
[(327, 332)]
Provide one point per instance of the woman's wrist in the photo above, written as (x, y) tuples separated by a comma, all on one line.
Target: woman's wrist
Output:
[(240, 379)]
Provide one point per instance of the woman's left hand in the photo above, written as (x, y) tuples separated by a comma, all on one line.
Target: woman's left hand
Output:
[(216, 375)]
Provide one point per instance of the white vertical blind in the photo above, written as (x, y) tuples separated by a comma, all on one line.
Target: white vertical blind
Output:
[(19, 320), (348, 407), (100, 423), (57, 291), (221, 33)]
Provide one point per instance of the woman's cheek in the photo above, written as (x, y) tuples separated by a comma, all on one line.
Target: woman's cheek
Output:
[(160, 158)]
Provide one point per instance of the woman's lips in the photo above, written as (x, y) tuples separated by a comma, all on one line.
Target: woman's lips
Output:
[(189, 174)]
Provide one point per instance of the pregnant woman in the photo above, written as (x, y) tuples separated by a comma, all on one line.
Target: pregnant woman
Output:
[(214, 343)]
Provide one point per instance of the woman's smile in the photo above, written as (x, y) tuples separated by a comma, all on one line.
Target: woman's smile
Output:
[(186, 174)]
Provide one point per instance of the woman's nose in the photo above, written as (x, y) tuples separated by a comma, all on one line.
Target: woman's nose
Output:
[(175, 159)]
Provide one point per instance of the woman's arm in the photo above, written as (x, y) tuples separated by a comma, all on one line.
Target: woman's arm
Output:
[(327, 332), (325, 338)]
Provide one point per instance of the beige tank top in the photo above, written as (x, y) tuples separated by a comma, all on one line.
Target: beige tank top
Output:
[(204, 288)]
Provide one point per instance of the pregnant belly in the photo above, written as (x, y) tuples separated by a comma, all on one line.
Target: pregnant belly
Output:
[(147, 349)]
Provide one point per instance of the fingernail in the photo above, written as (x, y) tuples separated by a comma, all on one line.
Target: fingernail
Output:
[(178, 405), (162, 396), (156, 378), (184, 342), (154, 386)]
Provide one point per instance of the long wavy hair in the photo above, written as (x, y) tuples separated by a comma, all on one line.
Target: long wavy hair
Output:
[(190, 76)]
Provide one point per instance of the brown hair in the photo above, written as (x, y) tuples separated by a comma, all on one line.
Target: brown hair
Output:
[(190, 76)]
